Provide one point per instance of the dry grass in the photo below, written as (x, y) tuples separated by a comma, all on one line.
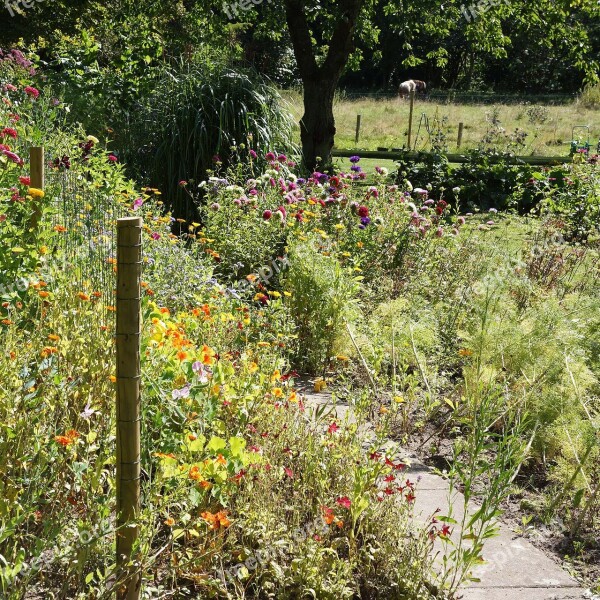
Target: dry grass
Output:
[(385, 123)]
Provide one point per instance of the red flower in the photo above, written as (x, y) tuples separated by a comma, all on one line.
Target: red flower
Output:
[(445, 531), (267, 215), (363, 211), (344, 502), (113, 158), (289, 472), (333, 428), (25, 180), (10, 132)]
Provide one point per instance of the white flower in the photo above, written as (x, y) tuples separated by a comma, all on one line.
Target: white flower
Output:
[(456, 189), (408, 185)]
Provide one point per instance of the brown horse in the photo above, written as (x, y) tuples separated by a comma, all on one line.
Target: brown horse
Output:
[(412, 85)]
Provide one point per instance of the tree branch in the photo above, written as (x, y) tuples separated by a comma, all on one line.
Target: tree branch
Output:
[(301, 40), (342, 40)]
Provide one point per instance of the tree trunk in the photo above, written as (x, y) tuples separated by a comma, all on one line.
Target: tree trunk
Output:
[(317, 127)]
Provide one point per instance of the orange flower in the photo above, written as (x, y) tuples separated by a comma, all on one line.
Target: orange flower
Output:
[(47, 351), (182, 355), (465, 352), (83, 296), (221, 460), (43, 294), (207, 355), (60, 228), (53, 337), (97, 294), (216, 520), (67, 439), (170, 521), (328, 515)]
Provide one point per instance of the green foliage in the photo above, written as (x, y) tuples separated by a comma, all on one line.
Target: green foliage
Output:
[(323, 299)]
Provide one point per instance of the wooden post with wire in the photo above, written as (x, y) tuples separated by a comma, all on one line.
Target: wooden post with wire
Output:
[(356, 138), (37, 180), (128, 338), (461, 127), (410, 117)]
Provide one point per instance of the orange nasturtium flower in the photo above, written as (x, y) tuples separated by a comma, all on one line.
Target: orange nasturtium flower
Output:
[(67, 439), (170, 521), (60, 228), (83, 296), (181, 355), (465, 352), (207, 355), (216, 520)]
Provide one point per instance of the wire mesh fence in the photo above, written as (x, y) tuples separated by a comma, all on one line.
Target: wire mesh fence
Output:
[(84, 220)]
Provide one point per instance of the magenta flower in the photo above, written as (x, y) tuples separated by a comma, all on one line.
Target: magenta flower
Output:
[(253, 155), (31, 92), (113, 158), (267, 215), (137, 203)]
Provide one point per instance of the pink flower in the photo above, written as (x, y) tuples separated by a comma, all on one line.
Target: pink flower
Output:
[(289, 472), (333, 428), (113, 158), (270, 156), (137, 203), (253, 154), (344, 502), (31, 92), (182, 183), (267, 215), (9, 87), (12, 156), (155, 236), (25, 180)]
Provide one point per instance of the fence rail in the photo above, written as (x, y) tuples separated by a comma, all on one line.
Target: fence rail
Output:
[(453, 158), (457, 96)]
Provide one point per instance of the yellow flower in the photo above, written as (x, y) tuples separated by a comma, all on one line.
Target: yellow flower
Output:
[(36, 193), (44, 250), (320, 385), (342, 357)]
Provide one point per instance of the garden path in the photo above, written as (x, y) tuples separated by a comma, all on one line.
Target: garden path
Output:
[(515, 569)]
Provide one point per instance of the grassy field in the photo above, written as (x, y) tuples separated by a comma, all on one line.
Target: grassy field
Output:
[(385, 122)]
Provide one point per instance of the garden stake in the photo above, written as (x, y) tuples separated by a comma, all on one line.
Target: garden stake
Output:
[(410, 117), (129, 326), (461, 127), (356, 138), (37, 180)]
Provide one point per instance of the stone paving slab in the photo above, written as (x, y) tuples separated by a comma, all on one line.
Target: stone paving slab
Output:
[(507, 593), (515, 569)]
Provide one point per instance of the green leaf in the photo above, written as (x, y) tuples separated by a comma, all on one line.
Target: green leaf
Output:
[(237, 446), (216, 444)]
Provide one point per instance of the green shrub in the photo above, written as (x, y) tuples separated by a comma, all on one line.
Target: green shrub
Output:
[(324, 296)]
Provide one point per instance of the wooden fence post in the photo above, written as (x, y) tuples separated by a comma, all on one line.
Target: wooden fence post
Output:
[(37, 180), (129, 327), (461, 127), (358, 117), (410, 117)]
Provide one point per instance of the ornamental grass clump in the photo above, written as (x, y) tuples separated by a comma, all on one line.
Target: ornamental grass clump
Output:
[(195, 116)]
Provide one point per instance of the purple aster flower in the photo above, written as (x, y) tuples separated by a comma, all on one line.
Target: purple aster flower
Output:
[(354, 159)]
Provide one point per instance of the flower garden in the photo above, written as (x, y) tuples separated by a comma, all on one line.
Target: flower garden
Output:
[(469, 333)]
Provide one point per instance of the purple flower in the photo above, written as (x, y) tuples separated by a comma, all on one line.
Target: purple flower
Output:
[(365, 220), (201, 371), (253, 154), (282, 158), (183, 392), (270, 156), (356, 168), (354, 159)]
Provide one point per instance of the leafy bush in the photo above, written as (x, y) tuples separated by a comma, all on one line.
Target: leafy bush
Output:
[(323, 298)]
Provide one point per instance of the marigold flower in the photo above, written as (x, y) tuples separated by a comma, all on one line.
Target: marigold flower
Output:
[(36, 193), (43, 294)]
